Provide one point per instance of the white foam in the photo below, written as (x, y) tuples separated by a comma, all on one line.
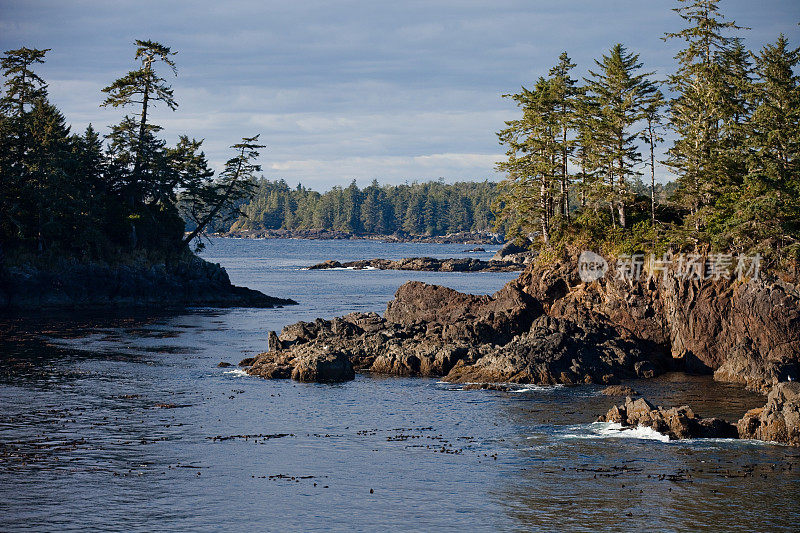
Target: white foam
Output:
[(344, 268), (237, 372), (604, 430)]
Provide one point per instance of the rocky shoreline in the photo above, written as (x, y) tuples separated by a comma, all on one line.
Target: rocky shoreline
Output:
[(427, 264), (549, 327), (78, 285)]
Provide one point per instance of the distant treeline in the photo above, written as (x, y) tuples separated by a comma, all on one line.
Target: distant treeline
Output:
[(432, 208)]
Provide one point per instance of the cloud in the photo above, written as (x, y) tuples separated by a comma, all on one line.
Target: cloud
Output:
[(356, 88)]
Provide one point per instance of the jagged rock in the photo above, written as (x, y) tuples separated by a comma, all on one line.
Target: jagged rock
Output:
[(492, 319), (746, 331), (556, 351), (676, 423), (306, 363), (778, 420)]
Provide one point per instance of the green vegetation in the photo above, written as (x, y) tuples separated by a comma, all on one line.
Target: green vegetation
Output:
[(72, 195), (734, 122), (432, 208)]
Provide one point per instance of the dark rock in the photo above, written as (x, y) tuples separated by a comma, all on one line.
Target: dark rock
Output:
[(305, 363), (778, 420), (273, 343), (556, 351), (70, 284), (224, 364)]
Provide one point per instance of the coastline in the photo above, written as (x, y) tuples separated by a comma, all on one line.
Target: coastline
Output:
[(317, 234), (549, 328)]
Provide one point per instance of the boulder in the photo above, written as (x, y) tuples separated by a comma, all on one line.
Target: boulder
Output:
[(778, 420), (618, 390), (306, 363)]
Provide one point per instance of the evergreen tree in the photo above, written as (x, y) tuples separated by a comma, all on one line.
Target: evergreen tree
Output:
[(143, 87), (566, 94), (620, 93), (236, 182), (526, 201), (699, 106), (652, 113)]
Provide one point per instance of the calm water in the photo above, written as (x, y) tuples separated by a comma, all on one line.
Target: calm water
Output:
[(109, 422)]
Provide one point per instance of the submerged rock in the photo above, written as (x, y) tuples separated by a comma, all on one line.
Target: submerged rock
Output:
[(676, 422), (778, 420), (618, 390)]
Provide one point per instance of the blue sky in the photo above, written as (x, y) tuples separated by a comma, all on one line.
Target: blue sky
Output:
[(397, 91)]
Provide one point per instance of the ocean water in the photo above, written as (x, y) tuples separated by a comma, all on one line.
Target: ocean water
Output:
[(125, 422)]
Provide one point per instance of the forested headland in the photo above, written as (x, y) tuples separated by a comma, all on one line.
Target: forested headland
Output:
[(89, 220), (731, 117), (108, 197)]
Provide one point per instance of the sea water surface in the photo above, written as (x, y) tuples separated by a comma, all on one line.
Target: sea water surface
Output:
[(125, 422)]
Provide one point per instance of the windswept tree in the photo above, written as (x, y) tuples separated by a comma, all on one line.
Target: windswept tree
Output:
[(23, 89), (143, 87), (219, 197)]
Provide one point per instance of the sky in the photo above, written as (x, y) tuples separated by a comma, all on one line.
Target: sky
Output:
[(397, 91)]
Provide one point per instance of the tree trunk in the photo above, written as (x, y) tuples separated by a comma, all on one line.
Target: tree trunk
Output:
[(652, 175)]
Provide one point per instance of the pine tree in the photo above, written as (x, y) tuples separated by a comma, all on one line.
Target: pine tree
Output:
[(23, 89), (566, 94), (526, 200), (236, 182), (620, 93), (652, 113), (764, 214), (699, 107)]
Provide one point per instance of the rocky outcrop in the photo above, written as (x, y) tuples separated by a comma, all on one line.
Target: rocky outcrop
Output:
[(676, 423), (515, 253), (778, 420), (305, 364), (187, 282), (745, 331), (428, 264), (435, 331)]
